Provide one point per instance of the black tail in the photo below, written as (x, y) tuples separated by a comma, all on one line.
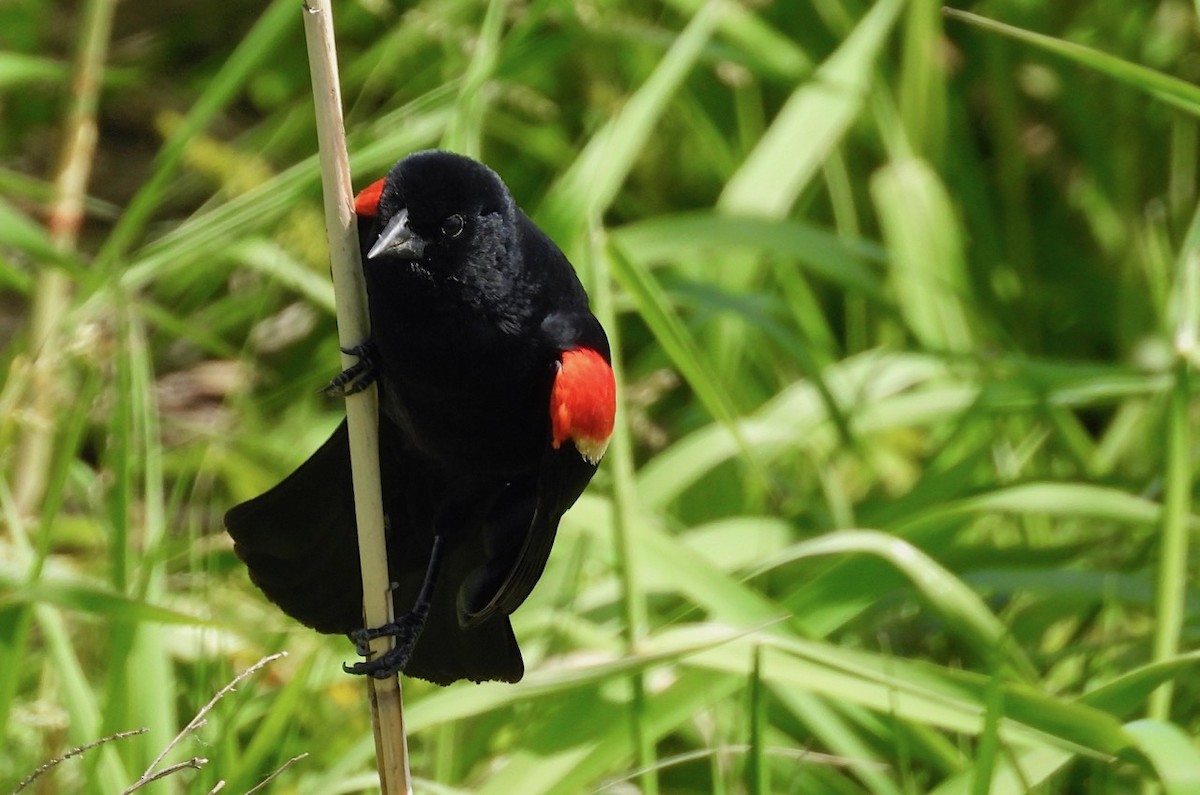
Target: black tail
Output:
[(301, 547)]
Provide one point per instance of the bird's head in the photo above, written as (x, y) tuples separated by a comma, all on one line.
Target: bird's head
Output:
[(438, 212)]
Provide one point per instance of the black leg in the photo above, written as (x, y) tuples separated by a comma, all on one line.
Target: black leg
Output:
[(357, 376), (406, 630)]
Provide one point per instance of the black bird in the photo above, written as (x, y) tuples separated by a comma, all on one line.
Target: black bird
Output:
[(496, 404)]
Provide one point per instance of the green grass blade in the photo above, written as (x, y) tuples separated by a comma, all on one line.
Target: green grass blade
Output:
[(965, 613), (922, 94), (464, 134), (621, 458), (818, 114), (670, 239), (252, 52), (655, 309), (756, 39), (587, 188), (1172, 90), (924, 693), (928, 271), (1172, 753), (80, 699)]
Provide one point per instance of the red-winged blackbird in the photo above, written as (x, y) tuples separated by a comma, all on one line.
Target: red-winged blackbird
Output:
[(496, 404)]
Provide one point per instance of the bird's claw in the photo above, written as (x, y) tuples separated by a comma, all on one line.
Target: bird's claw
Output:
[(406, 631), (356, 377)]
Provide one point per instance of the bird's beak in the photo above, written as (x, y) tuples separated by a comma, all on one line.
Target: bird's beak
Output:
[(398, 240)]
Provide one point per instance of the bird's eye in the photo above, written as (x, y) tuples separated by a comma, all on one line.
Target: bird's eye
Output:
[(453, 226)]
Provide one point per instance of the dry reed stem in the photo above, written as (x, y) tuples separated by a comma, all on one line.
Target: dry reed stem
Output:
[(362, 409)]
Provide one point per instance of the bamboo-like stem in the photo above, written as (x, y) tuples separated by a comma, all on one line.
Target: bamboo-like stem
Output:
[(65, 217), (362, 409)]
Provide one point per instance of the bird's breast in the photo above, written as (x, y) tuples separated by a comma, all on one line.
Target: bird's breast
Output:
[(467, 394)]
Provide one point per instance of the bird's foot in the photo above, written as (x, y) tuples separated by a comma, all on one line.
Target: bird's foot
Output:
[(406, 631), (357, 376)]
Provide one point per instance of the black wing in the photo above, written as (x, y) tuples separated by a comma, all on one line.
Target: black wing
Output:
[(520, 534), (300, 544), (522, 527)]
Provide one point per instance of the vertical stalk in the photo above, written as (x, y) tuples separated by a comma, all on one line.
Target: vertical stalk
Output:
[(53, 292), (464, 134), (624, 494), (362, 409), (1170, 598), (36, 476), (1173, 545), (988, 750), (758, 776), (1181, 184)]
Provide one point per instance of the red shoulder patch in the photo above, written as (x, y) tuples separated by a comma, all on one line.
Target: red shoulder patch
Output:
[(583, 403), (366, 203)]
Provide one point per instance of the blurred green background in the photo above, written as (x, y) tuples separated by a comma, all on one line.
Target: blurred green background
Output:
[(904, 306)]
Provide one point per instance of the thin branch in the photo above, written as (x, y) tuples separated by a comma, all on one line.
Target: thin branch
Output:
[(362, 409), (198, 721), (281, 768), (195, 763), (75, 752)]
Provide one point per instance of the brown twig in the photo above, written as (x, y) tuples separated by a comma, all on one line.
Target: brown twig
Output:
[(195, 763), (25, 782), (270, 778), (194, 724), (362, 409)]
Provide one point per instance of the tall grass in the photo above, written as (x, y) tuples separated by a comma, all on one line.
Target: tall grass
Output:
[(904, 307)]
